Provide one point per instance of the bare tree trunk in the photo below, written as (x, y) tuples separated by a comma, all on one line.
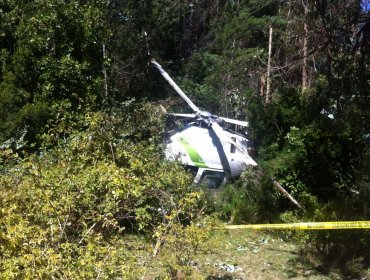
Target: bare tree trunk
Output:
[(304, 52), (105, 72), (268, 85), (225, 82)]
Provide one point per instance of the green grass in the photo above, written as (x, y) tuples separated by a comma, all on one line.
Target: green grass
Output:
[(240, 254)]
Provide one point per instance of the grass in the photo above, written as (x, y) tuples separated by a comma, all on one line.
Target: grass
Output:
[(239, 254)]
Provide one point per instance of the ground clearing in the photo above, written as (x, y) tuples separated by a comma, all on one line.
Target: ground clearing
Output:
[(241, 254)]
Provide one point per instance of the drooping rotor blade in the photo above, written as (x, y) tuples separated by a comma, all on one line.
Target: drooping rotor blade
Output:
[(219, 139), (191, 116), (225, 138), (288, 195), (175, 86), (241, 123), (220, 132)]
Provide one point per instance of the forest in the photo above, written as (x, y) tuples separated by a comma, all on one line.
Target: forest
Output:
[(85, 190)]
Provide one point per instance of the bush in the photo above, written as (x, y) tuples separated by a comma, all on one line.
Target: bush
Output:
[(62, 210), (251, 199)]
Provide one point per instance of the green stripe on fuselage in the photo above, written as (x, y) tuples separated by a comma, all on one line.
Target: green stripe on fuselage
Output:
[(193, 154)]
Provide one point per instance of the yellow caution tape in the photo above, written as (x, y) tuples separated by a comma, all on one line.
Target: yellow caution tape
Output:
[(305, 226)]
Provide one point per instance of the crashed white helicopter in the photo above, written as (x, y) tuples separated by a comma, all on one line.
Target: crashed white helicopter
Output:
[(212, 152), (204, 146)]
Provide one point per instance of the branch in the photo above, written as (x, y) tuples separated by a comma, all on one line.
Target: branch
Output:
[(90, 229)]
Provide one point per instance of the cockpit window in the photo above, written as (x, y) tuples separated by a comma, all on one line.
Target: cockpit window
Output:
[(212, 179)]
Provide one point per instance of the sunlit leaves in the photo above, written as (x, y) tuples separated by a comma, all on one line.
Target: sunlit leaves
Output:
[(62, 209)]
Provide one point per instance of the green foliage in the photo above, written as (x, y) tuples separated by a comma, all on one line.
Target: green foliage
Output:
[(345, 250), (312, 156), (52, 55), (17, 116), (66, 207), (80, 166), (252, 199), (181, 245)]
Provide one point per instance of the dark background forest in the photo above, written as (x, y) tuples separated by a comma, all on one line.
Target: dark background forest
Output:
[(81, 154)]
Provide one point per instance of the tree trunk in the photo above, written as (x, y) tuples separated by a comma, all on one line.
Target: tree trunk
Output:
[(304, 52), (268, 85), (105, 72)]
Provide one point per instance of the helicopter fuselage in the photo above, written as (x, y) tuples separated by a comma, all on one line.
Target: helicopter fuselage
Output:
[(213, 160)]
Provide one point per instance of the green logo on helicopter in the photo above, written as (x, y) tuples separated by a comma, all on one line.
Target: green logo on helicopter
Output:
[(193, 154)]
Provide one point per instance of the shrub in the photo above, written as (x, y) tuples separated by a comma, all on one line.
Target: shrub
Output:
[(62, 210)]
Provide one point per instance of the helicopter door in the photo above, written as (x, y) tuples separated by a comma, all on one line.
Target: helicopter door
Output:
[(210, 178)]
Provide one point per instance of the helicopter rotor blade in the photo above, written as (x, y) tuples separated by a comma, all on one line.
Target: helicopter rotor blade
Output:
[(284, 192), (190, 116), (219, 140), (175, 86), (219, 132), (237, 122)]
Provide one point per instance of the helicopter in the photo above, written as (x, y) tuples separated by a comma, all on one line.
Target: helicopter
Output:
[(204, 145)]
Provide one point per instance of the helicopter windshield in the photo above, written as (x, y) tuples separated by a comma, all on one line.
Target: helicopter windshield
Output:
[(212, 179)]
